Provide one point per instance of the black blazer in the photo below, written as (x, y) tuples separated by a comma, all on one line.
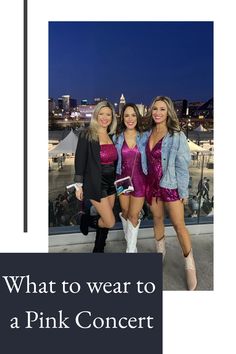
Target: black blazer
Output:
[(88, 167)]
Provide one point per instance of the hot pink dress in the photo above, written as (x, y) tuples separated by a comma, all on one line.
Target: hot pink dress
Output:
[(131, 163), (154, 176), (108, 154)]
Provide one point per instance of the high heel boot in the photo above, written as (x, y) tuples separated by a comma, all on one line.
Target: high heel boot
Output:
[(161, 246), (132, 235), (190, 270), (100, 240), (87, 221)]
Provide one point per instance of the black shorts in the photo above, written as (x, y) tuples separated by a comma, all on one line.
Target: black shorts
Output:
[(108, 178)]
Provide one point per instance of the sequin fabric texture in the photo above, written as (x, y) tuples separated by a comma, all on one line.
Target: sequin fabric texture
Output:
[(154, 176), (108, 154), (131, 166)]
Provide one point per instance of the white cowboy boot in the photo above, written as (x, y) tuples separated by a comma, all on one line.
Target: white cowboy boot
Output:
[(161, 246), (132, 235), (190, 270)]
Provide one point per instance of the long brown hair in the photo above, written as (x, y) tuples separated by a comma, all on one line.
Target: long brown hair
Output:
[(172, 121), (121, 127)]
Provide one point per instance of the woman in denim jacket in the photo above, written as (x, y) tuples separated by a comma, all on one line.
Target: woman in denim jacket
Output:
[(168, 158), (131, 143)]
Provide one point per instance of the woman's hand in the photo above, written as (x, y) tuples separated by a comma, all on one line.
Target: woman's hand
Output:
[(79, 193), (184, 201)]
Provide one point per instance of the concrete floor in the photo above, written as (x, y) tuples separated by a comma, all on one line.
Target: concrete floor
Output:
[(173, 267)]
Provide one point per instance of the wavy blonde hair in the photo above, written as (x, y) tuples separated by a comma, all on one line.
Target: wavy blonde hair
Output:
[(172, 121), (93, 126)]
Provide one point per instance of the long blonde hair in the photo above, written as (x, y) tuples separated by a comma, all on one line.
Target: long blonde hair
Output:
[(172, 119), (93, 126)]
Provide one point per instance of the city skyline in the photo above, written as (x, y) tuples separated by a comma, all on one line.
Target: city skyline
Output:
[(139, 59)]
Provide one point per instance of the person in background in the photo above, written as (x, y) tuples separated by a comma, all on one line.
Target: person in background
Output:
[(168, 159), (205, 189), (130, 143), (195, 206), (200, 186), (95, 160)]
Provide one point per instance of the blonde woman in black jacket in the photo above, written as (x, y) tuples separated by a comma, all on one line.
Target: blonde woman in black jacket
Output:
[(95, 161)]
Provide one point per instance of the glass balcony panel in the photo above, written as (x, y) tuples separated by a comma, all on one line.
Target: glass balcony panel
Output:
[(65, 209)]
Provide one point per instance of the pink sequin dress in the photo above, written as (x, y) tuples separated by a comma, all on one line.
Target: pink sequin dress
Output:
[(131, 163), (154, 176), (108, 154)]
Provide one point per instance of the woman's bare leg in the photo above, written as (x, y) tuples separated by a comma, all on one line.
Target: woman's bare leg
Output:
[(158, 213), (135, 206), (105, 210), (176, 214)]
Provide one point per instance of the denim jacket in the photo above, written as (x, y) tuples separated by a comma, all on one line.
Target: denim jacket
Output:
[(141, 141), (175, 163)]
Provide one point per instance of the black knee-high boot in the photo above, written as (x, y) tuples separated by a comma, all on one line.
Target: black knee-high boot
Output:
[(100, 241), (87, 221)]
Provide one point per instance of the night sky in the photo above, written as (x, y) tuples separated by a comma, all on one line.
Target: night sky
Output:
[(139, 59)]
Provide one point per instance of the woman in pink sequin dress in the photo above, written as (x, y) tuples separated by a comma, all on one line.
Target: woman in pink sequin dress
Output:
[(168, 159), (130, 143)]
